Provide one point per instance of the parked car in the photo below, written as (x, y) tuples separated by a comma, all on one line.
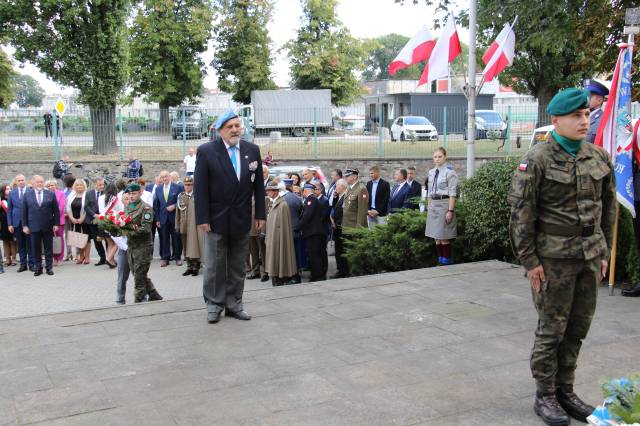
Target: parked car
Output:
[(413, 128), (191, 120), (489, 125)]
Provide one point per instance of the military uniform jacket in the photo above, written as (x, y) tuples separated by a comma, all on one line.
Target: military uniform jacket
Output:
[(354, 209), (142, 217), (594, 123), (552, 189)]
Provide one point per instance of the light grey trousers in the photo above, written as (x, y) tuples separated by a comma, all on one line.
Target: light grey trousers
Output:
[(223, 278), (123, 275)]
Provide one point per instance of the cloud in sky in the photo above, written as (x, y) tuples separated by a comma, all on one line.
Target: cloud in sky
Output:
[(364, 18)]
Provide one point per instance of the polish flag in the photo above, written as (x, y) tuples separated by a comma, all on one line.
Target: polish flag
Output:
[(416, 50), (500, 54), (446, 50)]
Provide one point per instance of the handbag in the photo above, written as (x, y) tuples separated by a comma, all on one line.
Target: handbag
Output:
[(77, 239), (57, 246)]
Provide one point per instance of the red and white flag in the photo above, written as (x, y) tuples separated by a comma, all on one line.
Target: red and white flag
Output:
[(500, 54), (446, 50), (416, 50)]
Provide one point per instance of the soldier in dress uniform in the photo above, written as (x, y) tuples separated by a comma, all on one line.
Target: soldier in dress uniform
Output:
[(354, 209), (562, 212), (191, 237), (442, 183), (140, 246), (597, 94)]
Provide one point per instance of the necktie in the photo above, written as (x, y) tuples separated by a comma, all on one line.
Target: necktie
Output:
[(166, 193), (20, 192), (234, 161), (39, 198), (395, 189), (434, 186)]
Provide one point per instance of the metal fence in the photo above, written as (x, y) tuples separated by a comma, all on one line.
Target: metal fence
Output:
[(311, 134)]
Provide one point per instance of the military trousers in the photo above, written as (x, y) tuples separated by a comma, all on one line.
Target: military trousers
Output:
[(139, 257), (565, 305)]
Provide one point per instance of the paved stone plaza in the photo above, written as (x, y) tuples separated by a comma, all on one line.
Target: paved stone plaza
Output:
[(439, 346)]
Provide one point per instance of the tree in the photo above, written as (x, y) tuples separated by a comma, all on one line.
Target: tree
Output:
[(243, 58), (82, 44), (7, 90), (166, 40), (29, 93), (325, 55)]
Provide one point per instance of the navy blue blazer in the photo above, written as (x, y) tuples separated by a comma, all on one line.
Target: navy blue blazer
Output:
[(221, 200), (415, 191), (160, 205), (14, 213), (43, 217), (398, 200)]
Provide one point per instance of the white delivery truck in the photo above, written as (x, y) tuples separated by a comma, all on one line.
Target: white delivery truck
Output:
[(292, 112)]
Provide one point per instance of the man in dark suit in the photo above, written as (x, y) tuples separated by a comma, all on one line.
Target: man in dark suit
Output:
[(336, 222), (14, 220), (325, 213), (415, 189), (399, 192), (314, 231), (228, 174), (93, 195), (40, 216), (336, 175), (164, 207), (380, 191)]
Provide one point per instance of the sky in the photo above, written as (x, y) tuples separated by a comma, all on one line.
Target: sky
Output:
[(364, 18)]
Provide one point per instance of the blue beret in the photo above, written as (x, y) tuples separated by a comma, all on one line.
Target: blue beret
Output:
[(597, 88), (309, 186), (568, 100), (288, 182), (223, 118)]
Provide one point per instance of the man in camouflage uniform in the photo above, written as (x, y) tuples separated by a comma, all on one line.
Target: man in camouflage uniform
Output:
[(562, 211), (140, 245), (356, 201)]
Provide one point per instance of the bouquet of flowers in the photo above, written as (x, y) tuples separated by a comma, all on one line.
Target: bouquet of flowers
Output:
[(621, 405), (116, 224)]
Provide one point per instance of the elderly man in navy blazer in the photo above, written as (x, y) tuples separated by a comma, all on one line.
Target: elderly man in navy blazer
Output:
[(14, 220), (228, 175), (40, 218), (399, 192), (165, 201)]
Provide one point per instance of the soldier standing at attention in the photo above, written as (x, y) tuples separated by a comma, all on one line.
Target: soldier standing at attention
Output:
[(356, 202), (140, 246), (597, 94), (562, 211)]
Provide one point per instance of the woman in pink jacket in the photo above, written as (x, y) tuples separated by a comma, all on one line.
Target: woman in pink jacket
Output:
[(52, 185)]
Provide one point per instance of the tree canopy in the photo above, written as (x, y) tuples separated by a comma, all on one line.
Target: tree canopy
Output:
[(7, 92), (243, 57), (325, 55), (29, 93), (166, 40)]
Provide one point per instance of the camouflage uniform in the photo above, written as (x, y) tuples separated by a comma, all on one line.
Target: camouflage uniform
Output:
[(354, 209), (140, 249), (562, 215)]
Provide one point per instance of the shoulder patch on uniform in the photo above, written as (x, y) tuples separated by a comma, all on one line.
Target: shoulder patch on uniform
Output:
[(147, 216), (308, 203), (450, 167), (523, 167)]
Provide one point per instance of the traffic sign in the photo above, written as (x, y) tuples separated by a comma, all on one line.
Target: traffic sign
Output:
[(60, 107)]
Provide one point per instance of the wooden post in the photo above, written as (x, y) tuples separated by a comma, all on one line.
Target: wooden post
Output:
[(614, 250)]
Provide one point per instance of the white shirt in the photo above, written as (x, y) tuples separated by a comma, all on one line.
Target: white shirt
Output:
[(190, 163), (147, 197), (238, 163)]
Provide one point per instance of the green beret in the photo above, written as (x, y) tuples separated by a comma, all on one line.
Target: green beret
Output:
[(132, 187), (568, 100)]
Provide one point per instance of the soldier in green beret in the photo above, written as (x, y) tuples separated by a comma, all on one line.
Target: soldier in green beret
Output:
[(562, 212), (140, 244)]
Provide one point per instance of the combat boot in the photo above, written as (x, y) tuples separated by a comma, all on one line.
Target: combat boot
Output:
[(154, 295), (547, 407), (574, 406)]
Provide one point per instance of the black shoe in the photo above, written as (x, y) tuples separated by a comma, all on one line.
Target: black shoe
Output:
[(630, 292), (213, 317), (187, 272), (195, 272), (49, 272), (277, 282), (295, 280), (154, 295), (37, 273), (253, 276), (139, 300), (22, 269), (101, 262), (550, 411), (111, 265), (574, 406), (241, 315), (264, 278), (33, 269)]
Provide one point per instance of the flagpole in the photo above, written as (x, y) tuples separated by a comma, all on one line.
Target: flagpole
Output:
[(471, 88), (614, 251)]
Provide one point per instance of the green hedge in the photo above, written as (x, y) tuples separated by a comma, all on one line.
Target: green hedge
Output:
[(482, 214)]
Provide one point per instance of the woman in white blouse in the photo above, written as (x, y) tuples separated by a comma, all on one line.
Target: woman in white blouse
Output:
[(109, 203), (80, 211)]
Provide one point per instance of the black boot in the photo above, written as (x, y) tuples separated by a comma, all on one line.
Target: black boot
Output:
[(154, 295), (187, 272), (574, 406), (547, 407), (632, 292)]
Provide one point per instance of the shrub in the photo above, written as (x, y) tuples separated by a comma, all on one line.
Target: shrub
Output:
[(627, 260)]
